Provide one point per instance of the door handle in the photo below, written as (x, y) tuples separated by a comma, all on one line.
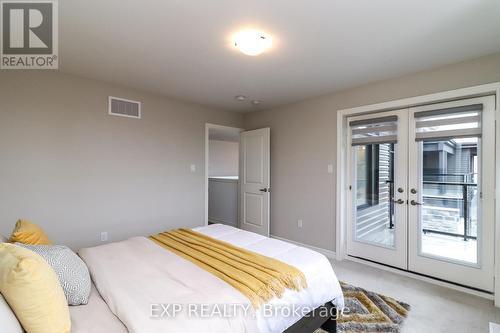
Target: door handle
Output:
[(399, 201), (265, 190), (414, 203)]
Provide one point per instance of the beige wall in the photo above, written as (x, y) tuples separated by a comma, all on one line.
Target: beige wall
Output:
[(303, 143), (223, 158), (75, 170), (68, 165)]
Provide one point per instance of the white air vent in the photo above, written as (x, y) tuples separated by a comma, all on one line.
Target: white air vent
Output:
[(124, 107)]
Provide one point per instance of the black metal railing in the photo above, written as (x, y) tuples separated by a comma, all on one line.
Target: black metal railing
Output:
[(465, 211), (463, 177), (467, 181), (391, 204)]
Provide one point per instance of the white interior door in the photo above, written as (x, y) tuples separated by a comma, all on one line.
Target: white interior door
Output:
[(377, 165), (451, 191), (255, 183)]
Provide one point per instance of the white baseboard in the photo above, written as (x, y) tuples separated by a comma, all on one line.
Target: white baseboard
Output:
[(328, 253)]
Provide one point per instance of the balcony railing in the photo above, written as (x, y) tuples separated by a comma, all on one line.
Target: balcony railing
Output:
[(464, 200), (448, 194)]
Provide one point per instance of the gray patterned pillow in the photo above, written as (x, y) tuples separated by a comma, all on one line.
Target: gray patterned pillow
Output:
[(73, 274)]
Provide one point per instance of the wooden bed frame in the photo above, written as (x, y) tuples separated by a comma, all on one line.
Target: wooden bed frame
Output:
[(315, 320)]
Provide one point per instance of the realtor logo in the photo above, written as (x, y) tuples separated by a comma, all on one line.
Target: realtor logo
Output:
[(29, 35)]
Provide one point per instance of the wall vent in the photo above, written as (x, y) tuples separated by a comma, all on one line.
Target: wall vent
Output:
[(124, 107)]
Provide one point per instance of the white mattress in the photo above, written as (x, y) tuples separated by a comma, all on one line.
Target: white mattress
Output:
[(117, 267)]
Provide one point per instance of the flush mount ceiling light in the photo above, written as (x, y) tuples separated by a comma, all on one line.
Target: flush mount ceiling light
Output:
[(256, 102), (252, 42), (240, 98)]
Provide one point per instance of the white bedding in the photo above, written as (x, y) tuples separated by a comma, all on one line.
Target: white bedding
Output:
[(136, 273), (94, 317)]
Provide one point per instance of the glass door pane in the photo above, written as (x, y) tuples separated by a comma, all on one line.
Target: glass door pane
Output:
[(449, 198), (374, 193), (451, 182)]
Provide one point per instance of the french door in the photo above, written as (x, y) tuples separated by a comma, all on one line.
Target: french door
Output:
[(422, 190), (378, 172)]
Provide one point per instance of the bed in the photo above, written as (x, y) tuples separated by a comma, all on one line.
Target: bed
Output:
[(136, 281)]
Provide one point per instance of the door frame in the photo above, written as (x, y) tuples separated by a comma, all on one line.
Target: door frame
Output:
[(342, 183), (208, 127)]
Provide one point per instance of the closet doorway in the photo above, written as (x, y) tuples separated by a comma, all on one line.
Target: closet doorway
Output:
[(238, 177), (223, 154)]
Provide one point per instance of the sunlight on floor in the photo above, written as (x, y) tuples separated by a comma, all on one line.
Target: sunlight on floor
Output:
[(450, 247)]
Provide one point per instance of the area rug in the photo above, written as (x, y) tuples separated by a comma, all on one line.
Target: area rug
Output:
[(369, 312)]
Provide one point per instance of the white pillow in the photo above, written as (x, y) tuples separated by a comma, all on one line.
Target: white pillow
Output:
[(3, 239), (8, 320)]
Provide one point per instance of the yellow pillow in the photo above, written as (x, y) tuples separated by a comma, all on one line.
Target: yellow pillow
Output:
[(32, 289), (29, 233)]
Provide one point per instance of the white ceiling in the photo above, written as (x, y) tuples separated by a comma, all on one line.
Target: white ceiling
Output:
[(182, 48)]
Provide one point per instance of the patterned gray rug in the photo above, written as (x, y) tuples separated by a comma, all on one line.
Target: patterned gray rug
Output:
[(370, 312)]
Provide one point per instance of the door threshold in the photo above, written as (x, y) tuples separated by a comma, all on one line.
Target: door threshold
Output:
[(422, 277)]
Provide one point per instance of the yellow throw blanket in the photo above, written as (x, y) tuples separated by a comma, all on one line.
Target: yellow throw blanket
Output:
[(258, 277)]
